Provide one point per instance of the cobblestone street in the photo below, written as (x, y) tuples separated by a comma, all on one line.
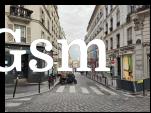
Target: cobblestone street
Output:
[(86, 95)]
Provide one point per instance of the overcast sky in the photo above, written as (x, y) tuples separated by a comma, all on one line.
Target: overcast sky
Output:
[(74, 20)]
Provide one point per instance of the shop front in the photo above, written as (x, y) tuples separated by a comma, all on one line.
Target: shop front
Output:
[(26, 74), (127, 67)]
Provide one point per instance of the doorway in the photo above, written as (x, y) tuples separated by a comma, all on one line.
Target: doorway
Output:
[(25, 68), (148, 65), (119, 67)]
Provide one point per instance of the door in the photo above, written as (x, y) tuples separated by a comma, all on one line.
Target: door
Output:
[(119, 67), (149, 66), (25, 67)]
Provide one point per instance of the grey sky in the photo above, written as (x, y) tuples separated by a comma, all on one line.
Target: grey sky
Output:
[(74, 20)]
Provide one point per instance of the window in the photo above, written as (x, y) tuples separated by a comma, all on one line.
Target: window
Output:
[(23, 32), (111, 21), (129, 35), (101, 14), (131, 8), (52, 26), (118, 17), (106, 9), (106, 45), (118, 40), (48, 25), (48, 38), (111, 7), (42, 35), (106, 32), (42, 17), (111, 40)]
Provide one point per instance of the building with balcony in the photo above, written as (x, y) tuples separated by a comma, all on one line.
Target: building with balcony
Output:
[(35, 22), (120, 32)]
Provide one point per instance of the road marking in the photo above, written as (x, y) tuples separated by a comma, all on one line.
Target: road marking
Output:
[(128, 95), (22, 99), (72, 89), (111, 92), (12, 104), (96, 90), (84, 90), (60, 89)]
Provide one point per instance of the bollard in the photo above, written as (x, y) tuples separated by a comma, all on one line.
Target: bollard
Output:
[(49, 84), (15, 87), (143, 88), (39, 87)]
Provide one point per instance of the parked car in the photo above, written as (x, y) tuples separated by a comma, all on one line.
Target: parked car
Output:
[(67, 78), (62, 78), (71, 78)]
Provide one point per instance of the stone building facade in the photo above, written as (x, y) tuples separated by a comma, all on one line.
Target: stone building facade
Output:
[(35, 22), (125, 31)]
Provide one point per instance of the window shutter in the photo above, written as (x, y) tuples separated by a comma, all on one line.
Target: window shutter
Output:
[(28, 35), (10, 37)]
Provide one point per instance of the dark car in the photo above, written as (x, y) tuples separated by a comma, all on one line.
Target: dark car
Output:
[(63, 78), (67, 78), (71, 78)]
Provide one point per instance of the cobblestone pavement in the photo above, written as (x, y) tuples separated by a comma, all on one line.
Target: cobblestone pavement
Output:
[(85, 96)]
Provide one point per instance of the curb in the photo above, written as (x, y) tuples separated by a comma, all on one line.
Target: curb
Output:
[(31, 94), (28, 84), (137, 94)]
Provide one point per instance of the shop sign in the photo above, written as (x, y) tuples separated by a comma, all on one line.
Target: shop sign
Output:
[(140, 81)]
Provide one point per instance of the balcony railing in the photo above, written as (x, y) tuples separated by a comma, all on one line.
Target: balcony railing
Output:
[(20, 12), (129, 42)]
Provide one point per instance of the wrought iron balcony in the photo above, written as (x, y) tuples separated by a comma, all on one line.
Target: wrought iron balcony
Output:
[(21, 12)]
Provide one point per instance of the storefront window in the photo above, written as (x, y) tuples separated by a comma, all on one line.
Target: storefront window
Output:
[(127, 67)]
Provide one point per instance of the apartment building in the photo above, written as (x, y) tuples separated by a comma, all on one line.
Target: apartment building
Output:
[(35, 22), (117, 27)]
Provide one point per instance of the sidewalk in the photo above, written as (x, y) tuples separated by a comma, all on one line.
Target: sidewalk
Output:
[(27, 84), (31, 93), (112, 86)]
